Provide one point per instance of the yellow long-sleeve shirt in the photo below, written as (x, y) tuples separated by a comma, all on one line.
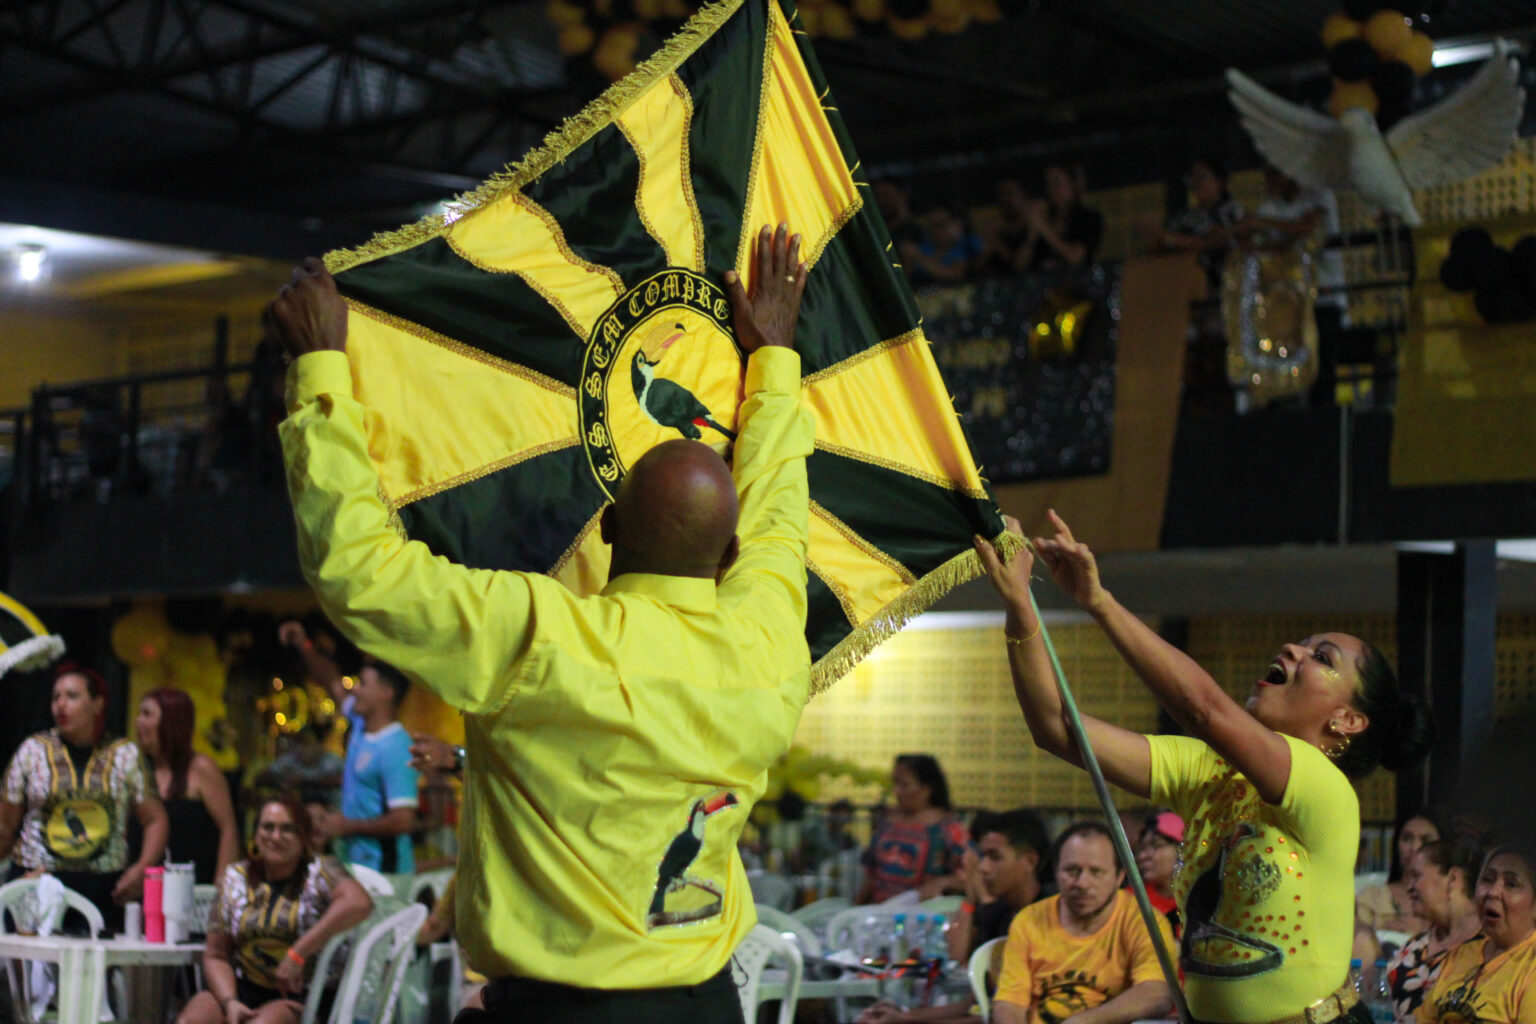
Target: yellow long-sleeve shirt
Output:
[(599, 730)]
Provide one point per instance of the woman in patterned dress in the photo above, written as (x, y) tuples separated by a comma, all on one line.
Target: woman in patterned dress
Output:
[(71, 789), (274, 913), (1440, 876), (921, 844)]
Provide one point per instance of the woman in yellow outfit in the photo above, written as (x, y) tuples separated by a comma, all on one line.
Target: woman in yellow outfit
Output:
[(1491, 979), (1265, 885)]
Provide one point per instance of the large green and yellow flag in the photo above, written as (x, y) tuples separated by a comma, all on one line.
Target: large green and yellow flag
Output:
[(518, 352)]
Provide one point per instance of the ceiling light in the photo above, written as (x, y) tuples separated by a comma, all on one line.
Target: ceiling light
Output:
[(1461, 53), (31, 260)]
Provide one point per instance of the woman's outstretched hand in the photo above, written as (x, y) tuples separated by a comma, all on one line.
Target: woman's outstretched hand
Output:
[(1072, 566), (1011, 578)]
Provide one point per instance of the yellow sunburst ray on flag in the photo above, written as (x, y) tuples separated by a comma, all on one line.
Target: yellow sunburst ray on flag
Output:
[(518, 353)]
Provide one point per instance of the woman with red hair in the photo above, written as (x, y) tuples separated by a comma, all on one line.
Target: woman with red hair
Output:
[(195, 792), (71, 790)]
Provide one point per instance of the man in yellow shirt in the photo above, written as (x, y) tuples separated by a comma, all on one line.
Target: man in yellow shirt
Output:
[(614, 743), (1084, 955)]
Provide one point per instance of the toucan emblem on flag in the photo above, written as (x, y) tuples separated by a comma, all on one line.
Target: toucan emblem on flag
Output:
[(516, 354)]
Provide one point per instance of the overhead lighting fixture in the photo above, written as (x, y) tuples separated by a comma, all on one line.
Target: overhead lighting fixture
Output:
[(1461, 53), (31, 261)]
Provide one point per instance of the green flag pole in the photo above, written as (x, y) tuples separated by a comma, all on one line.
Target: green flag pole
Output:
[(1116, 829)]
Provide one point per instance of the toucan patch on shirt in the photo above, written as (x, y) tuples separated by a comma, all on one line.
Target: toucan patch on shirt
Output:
[(681, 897)]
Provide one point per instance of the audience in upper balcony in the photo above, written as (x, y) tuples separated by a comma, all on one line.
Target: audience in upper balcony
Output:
[(1063, 232), (1205, 226), (949, 253), (894, 201)]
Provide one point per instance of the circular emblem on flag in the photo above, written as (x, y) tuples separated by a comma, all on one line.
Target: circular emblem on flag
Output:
[(77, 827), (662, 363)]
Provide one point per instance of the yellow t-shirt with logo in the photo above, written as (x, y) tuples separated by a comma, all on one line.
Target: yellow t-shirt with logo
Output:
[(615, 742), (1057, 974), (1266, 890), (1468, 991)]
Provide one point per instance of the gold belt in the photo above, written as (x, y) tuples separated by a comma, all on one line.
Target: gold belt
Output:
[(1330, 1008)]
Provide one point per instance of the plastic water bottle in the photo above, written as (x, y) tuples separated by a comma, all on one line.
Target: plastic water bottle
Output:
[(1354, 977), (920, 939), (1383, 1008), (898, 937), (938, 931)]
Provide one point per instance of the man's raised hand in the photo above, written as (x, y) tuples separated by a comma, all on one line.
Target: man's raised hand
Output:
[(308, 315), (778, 280)]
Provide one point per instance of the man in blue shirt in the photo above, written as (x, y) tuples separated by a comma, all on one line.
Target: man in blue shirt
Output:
[(378, 784)]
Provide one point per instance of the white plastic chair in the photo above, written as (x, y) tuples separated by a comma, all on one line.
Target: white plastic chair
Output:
[(982, 962), (791, 927), (816, 915), (949, 906), (18, 906), (380, 948), (430, 884), (771, 889), (747, 966), (373, 880)]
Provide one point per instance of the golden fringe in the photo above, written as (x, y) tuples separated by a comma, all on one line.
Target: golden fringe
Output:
[(557, 145), (887, 622)]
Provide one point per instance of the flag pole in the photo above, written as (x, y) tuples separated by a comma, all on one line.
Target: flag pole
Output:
[(1116, 828)]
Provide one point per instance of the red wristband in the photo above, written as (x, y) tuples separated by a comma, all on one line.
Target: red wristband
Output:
[(968, 907), (294, 956)]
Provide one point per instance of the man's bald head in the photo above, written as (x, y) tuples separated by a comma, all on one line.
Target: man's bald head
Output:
[(674, 513)]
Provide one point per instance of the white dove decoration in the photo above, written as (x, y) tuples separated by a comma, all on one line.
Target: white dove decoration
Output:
[(1460, 136)]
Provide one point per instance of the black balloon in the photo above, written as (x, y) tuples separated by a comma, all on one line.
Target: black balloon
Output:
[(1353, 60), (1393, 82), (1362, 9), (908, 9)]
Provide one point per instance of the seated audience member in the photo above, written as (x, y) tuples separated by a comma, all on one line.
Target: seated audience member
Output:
[(273, 915), (198, 806), (1492, 979), (1004, 880), (1388, 907), (895, 202), (920, 844), (1157, 854), (307, 768), (950, 253), (1062, 231), (1440, 875), (1085, 950), (1005, 252)]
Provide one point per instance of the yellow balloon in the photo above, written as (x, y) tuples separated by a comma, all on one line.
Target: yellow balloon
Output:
[(1419, 54), (563, 13), (910, 29), (950, 16), (1352, 94), (869, 10), (984, 11), (140, 636), (1388, 33), (647, 10), (577, 38), (1338, 27)]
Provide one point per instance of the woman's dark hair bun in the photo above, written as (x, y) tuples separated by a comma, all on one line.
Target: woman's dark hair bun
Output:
[(1400, 732), (1412, 736)]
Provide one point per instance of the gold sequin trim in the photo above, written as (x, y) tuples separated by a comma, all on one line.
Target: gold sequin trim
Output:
[(486, 470), (877, 349), (581, 538), (906, 576), (749, 231), (904, 470), (467, 351), (837, 225)]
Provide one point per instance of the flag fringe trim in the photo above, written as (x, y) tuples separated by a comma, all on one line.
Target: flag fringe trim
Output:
[(557, 145), (890, 620)]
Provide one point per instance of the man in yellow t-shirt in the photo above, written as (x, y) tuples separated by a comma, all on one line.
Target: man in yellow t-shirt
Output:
[(1084, 955), (614, 743)]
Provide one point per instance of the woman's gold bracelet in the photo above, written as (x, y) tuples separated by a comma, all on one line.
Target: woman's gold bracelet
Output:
[(1019, 641)]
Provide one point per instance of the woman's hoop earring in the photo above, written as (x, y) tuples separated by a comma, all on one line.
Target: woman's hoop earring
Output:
[(1344, 741)]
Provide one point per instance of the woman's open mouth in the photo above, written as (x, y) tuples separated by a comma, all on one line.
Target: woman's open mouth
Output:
[(1276, 676)]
